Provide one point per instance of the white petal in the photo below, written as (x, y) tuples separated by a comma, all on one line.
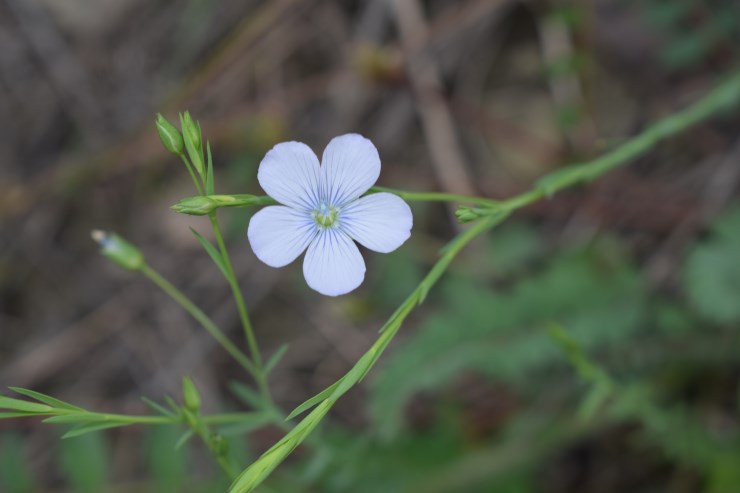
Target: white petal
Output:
[(380, 221), (333, 264), (289, 173), (349, 167), (279, 234)]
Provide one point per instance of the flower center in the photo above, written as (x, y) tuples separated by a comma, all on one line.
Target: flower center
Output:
[(325, 215)]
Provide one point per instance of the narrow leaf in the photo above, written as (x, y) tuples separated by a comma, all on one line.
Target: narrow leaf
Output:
[(51, 401), (183, 439), (90, 427), (19, 405), (324, 394), (158, 408), (19, 415), (210, 185), (246, 425), (212, 252), (247, 395), (171, 402), (275, 358), (78, 418)]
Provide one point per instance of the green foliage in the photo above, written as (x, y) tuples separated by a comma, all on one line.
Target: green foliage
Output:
[(168, 466), (500, 332), (712, 273), (14, 475), (692, 30), (84, 463)]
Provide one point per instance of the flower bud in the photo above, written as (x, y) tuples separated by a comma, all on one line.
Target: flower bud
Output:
[(193, 143), (196, 206), (190, 395), (466, 214), (169, 135), (118, 250), (192, 129)]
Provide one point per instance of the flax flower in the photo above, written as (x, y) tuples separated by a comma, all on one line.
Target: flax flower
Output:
[(323, 211)]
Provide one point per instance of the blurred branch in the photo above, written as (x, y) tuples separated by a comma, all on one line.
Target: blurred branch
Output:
[(426, 80), (66, 74), (725, 96)]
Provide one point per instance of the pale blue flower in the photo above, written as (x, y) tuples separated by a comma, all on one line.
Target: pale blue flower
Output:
[(323, 211)]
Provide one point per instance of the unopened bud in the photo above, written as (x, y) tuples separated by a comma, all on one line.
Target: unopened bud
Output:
[(193, 143), (118, 250), (192, 128), (190, 395), (196, 206), (170, 136), (466, 214)]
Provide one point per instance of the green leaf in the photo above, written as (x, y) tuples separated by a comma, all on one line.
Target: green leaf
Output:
[(212, 252), (25, 406), (275, 358), (51, 401), (323, 395), (82, 417), (594, 400), (83, 429), (210, 184), (173, 405), (498, 332), (158, 407), (14, 474), (711, 276), (247, 395), (18, 414), (245, 425), (187, 435), (168, 467), (83, 462)]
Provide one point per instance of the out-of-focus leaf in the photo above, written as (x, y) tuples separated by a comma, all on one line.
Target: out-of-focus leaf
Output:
[(599, 297), (84, 462), (711, 275), (168, 465), (14, 475), (48, 400)]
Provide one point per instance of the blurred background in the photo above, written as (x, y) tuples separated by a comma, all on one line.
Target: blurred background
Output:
[(483, 97)]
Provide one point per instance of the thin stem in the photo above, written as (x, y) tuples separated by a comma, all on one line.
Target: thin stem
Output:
[(144, 420), (259, 374), (192, 174), (202, 318), (436, 197)]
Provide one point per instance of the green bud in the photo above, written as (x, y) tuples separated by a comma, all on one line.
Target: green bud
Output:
[(190, 395), (170, 136), (466, 214), (192, 129), (196, 206), (193, 143), (118, 250)]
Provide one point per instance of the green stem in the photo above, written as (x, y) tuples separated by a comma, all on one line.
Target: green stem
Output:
[(192, 174), (436, 197), (259, 374), (213, 442), (202, 318)]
